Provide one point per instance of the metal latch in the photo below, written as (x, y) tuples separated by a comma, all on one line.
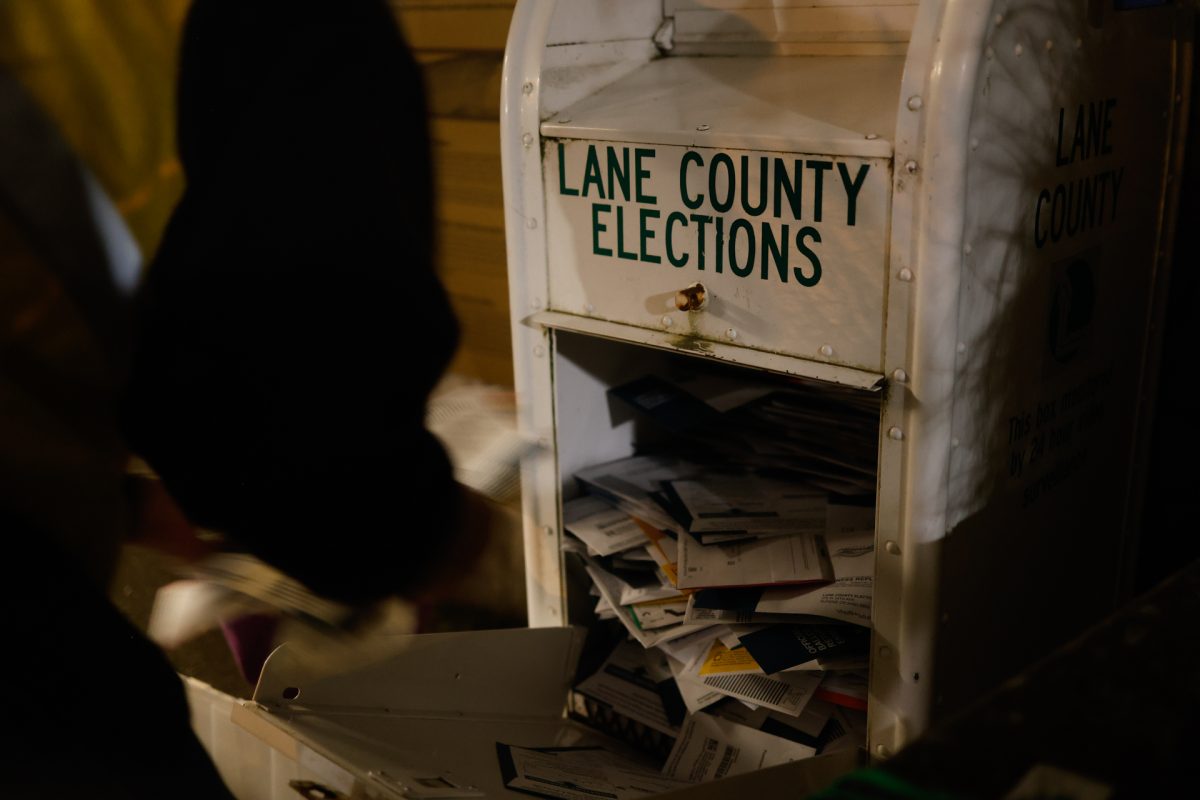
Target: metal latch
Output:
[(693, 298)]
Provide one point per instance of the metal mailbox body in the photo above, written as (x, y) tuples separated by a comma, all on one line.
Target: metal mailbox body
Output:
[(963, 206), (986, 187)]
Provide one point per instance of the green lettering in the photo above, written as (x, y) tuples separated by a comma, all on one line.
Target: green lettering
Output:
[(1078, 143), (598, 227), (852, 188), (1095, 121), (1105, 144), (562, 175), (819, 168), (672, 218), (719, 223), (647, 234), (742, 270), (618, 175), (808, 232), (778, 252), (591, 173), (1039, 238), (789, 185), (621, 252), (638, 155), (753, 210), (721, 160), (701, 220), (691, 156)]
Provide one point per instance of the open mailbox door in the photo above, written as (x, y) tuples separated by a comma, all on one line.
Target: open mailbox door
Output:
[(430, 723), (953, 215)]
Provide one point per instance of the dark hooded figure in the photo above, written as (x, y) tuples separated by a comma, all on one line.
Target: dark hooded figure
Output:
[(273, 369)]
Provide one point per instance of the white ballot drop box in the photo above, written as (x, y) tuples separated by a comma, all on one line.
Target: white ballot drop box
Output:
[(949, 221)]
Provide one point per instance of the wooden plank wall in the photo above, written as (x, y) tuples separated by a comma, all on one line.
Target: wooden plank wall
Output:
[(460, 45)]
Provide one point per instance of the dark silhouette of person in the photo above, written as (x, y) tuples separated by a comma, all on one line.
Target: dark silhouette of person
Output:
[(273, 369)]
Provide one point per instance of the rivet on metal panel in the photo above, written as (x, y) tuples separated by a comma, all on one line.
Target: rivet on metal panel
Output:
[(1018, 49), (962, 347), (974, 143), (905, 275), (1049, 45), (911, 167), (826, 350), (882, 751), (527, 139), (892, 548), (702, 128), (667, 321), (539, 351), (872, 136), (915, 103), (895, 434), (899, 376), (885, 651), (531, 223), (731, 334), (589, 308), (527, 88)]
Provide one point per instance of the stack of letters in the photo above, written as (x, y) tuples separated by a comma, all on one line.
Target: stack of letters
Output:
[(738, 554)]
